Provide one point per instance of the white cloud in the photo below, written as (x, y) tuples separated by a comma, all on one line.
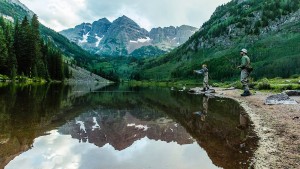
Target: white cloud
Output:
[(57, 14), (62, 14), (61, 151)]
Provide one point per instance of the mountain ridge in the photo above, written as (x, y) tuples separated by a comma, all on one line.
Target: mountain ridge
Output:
[(123, 36)]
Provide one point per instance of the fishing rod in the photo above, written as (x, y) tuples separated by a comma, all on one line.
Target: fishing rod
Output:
[(233, 65)]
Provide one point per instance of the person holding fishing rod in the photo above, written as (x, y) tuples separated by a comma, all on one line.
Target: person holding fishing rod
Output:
[(204, 71), (245, 71)]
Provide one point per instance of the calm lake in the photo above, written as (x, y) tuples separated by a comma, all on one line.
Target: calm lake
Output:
[(120, 127)]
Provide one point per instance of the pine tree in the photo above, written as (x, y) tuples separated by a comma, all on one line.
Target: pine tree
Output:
[(38, 61), (3, 53), (23, 47), (2, 23), (66, 70), (45, 53), (60, 66), (55, 63), (16, 43), (12, 60), (13, 73)]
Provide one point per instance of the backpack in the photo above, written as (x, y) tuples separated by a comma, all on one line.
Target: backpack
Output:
[(249, 69)]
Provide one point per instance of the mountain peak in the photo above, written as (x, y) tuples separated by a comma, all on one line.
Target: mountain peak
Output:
[(103, 20), (124, 19), (83, 25), (187, 27)]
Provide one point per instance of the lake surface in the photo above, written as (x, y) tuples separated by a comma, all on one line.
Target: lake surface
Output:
[(120, 127)]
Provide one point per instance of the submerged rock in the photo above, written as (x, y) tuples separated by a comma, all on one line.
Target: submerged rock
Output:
[(197, 90), (281, 98)]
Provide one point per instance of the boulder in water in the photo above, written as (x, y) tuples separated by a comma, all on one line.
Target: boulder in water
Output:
[(197, 90)]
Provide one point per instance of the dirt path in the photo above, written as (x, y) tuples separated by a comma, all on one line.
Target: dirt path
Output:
[(277, 126)]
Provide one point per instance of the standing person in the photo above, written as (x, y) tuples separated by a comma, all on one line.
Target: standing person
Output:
[(245, 72), (204, 71)]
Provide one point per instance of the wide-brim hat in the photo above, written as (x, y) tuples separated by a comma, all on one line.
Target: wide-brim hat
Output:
[(244, 50)]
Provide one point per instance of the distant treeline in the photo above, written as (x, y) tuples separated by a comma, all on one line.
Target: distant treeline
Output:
[(24, 52)]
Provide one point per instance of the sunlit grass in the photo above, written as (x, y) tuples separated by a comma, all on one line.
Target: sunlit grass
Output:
[(21, 80)]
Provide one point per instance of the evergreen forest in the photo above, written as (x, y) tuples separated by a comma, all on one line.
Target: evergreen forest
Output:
[(23, 53)]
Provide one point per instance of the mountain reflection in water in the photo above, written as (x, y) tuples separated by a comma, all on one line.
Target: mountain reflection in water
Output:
[(120, 129), (139, 128)]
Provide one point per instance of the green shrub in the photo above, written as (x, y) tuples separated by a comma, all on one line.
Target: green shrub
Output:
[(3, 78), (216, 85), (295, 76), (236, 84), (264, 84), (287, 87)]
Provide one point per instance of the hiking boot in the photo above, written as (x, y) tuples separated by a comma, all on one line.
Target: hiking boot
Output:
[(246, 93)]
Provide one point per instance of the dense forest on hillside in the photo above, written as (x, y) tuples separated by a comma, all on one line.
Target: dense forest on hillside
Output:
[(268, 29), (242, 14), (24, 52)]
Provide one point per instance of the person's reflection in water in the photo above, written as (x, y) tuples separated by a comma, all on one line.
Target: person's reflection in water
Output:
[(205, 107), (243, 126), (203, 114)]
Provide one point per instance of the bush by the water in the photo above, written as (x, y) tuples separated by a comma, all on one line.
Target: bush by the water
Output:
[(264, 84)]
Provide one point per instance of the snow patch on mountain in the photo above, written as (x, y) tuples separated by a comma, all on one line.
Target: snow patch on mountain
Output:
[(96, 125), (141, 40), (139, 127), (98, 40), (81, 124), (84, 38)]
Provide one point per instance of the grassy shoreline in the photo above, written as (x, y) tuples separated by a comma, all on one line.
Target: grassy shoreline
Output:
[(275, 84), (22, 80)]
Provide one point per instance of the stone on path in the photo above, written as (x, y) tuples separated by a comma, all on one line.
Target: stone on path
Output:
[(281, 98), (292, 92)]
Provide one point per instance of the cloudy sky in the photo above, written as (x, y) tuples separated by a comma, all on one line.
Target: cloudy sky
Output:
[(62, 151), (63, 14)]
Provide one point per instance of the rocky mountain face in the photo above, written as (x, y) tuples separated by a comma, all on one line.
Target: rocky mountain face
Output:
[(123, 36), (11, 9), (245, 19), (18, 3), (170, 37), (88, 35)]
